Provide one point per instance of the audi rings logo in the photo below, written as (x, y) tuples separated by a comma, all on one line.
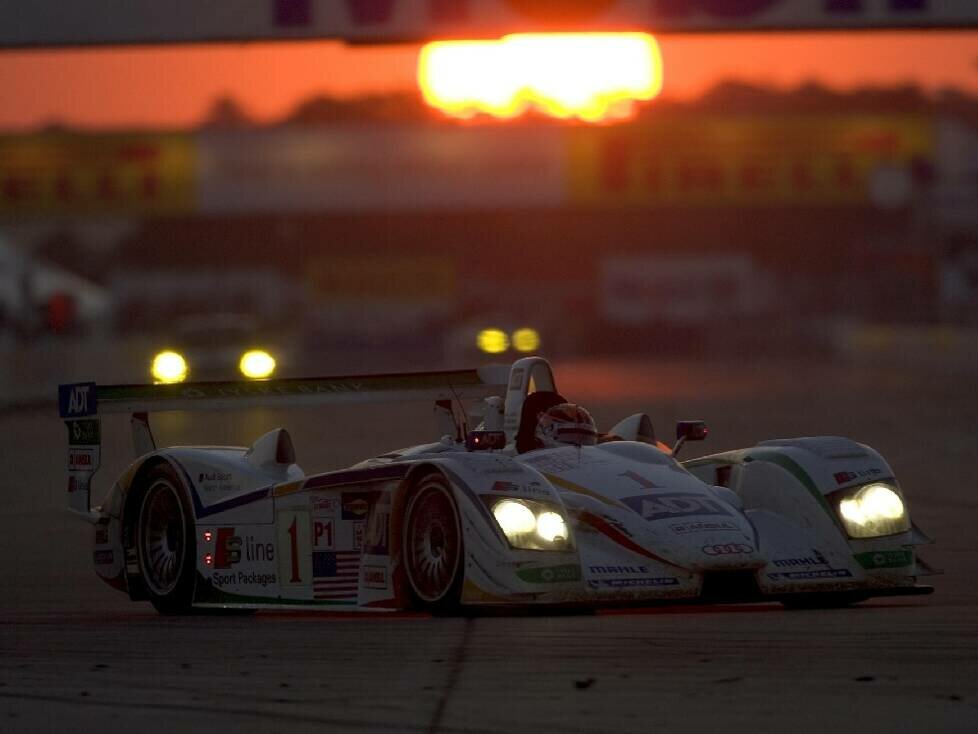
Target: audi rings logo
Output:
[(727, 549)]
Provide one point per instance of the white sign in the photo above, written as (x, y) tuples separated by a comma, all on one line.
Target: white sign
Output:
[(379, 168)]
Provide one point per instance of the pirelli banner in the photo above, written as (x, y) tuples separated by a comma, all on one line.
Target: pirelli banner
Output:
[(42, 23), (703, 160), (710, 160), (67, 174)]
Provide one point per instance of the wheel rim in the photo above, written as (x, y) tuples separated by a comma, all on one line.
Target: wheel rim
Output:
[(433, 542), (162, 538)]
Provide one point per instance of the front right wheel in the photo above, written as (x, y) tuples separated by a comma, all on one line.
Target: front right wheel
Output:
[(433, 547)]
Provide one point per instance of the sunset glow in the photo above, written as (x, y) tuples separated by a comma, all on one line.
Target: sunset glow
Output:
[(590, 76)]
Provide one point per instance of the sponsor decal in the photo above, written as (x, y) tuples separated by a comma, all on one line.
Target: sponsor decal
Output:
[(550, 574), (844, 477), (502, 486), (323, 537), (72, 485), (557, 461), (85, 432), (230, 549), (104, 557), (533, 488), (81, 459), (217, 480), (727, 549), (375, 577), (77, 400), (702, 526), (488, 464), (335, 575), (358, 536), (356, 505), (325, 506), (214, 476), (832, 573), (101, 534), (618, 569), (665, 505), (633, 583), (885, 559), (816, 559), (242, 578)]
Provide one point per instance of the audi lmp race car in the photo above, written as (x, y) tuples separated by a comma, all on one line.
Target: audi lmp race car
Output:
[(483, 517)]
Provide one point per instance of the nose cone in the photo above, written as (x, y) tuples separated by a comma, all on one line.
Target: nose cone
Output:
[(698, 530)]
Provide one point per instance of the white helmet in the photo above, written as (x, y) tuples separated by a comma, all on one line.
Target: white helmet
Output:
[(566, 424)]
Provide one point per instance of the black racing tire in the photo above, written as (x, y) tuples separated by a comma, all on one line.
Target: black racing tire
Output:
[(434, 553), (166, 547)]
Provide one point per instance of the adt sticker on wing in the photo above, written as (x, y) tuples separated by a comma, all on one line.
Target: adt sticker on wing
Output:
[(77, 400)]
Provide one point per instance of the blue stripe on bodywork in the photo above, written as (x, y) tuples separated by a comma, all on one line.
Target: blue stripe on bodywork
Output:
[(201, 511)]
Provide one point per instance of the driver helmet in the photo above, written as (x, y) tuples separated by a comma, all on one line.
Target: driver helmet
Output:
[(566, 424)]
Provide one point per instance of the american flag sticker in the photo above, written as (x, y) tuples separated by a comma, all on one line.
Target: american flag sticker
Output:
[(335, 575)]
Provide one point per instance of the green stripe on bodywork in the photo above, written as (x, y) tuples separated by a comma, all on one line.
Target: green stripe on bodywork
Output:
[(207, 593), (792, 467), (885, 559)]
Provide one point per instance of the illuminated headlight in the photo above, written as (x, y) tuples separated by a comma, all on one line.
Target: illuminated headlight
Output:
[(169, 367), (872, 511), (531, 525), (257, 364)]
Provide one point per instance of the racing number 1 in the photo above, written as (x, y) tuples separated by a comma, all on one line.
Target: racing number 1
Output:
[(295, 542), (294, 548)]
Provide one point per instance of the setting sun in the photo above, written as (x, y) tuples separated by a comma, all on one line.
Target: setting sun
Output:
[(591, 76)]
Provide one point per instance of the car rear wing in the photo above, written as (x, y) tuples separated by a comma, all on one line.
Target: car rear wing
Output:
[(82, 404)]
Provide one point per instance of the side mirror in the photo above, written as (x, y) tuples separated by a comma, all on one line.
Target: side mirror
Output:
[(689, 431), (485, 440)]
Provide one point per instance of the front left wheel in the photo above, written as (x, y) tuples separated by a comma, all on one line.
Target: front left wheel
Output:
[(433, 547), (165, 542)]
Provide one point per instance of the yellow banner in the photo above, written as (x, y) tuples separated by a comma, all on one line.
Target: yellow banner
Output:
[(743, 160), (118, 174)]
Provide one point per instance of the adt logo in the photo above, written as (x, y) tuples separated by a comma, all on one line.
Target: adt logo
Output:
[(77, 400)]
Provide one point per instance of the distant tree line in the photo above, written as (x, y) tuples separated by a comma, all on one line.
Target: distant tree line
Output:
[(731, 96)]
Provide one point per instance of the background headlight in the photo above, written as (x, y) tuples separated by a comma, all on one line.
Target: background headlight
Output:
[(169, 367), (530, 525), (873, 511), (257, 364)]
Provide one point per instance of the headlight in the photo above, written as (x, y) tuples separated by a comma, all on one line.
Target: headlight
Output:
[(169, 367), (492, 341), (257, 364), (531, 525), (872, 511)]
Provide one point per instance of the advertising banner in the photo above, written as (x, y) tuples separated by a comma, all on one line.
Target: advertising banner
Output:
[(380, 168), (56, 22), (708, 160), (106, 174)]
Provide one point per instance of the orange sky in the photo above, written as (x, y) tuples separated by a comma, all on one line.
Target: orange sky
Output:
[(173, 87)]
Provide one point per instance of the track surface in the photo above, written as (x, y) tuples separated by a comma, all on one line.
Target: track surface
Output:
[(77, 656)]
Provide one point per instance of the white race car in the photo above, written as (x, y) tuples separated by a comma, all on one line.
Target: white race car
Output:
[(533, 507)]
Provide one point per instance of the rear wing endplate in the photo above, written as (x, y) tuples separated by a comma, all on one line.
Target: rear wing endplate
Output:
[(81, 404)]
